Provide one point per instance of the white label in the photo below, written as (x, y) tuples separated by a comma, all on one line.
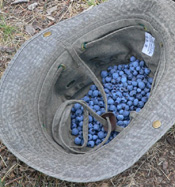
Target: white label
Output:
[(149, 45)]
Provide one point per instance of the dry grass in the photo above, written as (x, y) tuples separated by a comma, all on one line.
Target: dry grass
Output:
[(155, 168)]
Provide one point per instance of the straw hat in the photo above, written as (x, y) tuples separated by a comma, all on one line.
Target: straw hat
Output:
[(48, 71)]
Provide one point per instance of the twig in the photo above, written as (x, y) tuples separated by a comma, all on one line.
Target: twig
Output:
[(19, 1), (64, 9), (14, 180), (9, 172), (3, 160), (164, 174)]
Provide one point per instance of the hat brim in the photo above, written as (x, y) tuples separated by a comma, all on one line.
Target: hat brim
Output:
[(20, 128)]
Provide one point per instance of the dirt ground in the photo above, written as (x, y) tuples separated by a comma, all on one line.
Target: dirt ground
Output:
[(18, 22)]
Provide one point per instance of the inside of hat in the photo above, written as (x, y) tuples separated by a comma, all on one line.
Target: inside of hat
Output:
[(100, 51)]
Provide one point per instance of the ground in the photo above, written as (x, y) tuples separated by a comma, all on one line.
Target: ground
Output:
[(18, 24)]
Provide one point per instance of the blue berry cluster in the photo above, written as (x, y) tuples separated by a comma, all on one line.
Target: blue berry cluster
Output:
[(127, 87)]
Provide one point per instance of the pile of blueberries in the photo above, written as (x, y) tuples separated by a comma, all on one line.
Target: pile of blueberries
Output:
[(127, 88)]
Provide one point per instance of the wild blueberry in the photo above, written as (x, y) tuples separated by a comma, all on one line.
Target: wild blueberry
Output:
[(139, 96), (90, 93), (98, 141), (91, 143), (121, 73), (144, 99), (141, 85), (96, 127), (126, 113), (94, 137), (90, 125), (93, 87), (136, 101), (141, 104), (101, 134), (148, 94), (79, 118), (150, 80), (96, 107), (138, 68), (120, 123), (77, 106), (139, 90), (115, 75), (78, 112), (110, 101), (95, 93), (142, 63), (147, 71), (77, 141), (134, 83), (99, 112), (89, 136), (112, 108), (86, 99), (129, 103), (108, 79), (132, 58), (121, 112), (133, 93), (104, 74), (138, 109), (120, 117)]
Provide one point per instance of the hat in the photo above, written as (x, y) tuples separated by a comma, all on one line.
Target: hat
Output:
[(54, 69)]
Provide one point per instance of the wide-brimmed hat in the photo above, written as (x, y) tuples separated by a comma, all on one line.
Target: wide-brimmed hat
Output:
[(53, 70)]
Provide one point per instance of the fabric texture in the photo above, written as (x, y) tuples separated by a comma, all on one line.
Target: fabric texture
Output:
[(34, 86)]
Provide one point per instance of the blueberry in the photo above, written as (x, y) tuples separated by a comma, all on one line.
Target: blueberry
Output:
[(90, 93), (99, 113), (120, 117), (136, 101), (126, 113), (106, 90), (120, 67), (91, 103), (141, 72), (141, 104), (90, 119), (77, 106), (77, 141), (93, 87), (89, 137), (139, 90), (119, 107), (92, 131), (95, 93), (141, 85), (148, 94), (138, 68), (81, 124), (134, 83), (135, 63), (139, 96), (79, 118), (108, 79), (113, 81), (73, 116), (103, 110), (112, 108), (96, 127), (142, 63), (143, 93), (147, 71), (121, 112), (138, 109), (120, 123), (104, 74), (90, 125), (132, 58), (110, 101), (131, 98), (129, 103), (126, 123), (150, 80), (98, 141), (91, 143), (101, 134), (121, 73), (86, 99), (144, 99), (78, 112), (135, 73), (130, 87), (115, 75), (123, 79), (132, 93), (96, 107), (118, 100), (94, 137)]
